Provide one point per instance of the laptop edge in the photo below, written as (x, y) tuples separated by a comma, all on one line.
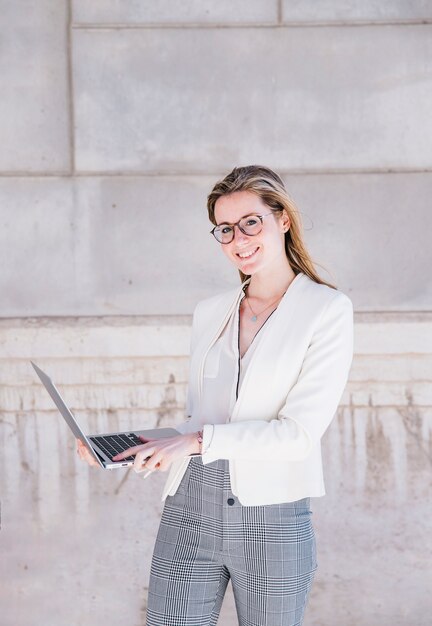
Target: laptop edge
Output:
[(100, 456)]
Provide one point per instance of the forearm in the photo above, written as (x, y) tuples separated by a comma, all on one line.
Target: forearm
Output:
[(256, 439)]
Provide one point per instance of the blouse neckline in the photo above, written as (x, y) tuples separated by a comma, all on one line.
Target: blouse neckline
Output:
[(257, 332)]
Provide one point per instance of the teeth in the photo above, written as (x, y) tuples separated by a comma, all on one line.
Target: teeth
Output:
[(245, 255)]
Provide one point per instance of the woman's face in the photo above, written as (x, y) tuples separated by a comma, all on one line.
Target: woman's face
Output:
[(267, 246)]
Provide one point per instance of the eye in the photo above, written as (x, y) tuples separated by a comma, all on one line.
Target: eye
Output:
[(225, 229), (252, 221)]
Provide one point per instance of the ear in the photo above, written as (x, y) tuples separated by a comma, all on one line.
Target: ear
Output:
[(285, 221)]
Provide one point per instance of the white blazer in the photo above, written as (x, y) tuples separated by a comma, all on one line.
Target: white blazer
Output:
[(289, 395)]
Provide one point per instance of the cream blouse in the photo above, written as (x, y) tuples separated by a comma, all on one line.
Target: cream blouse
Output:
[(224, 370)]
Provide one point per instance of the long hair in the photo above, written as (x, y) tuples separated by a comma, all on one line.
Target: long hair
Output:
[(268, 185)]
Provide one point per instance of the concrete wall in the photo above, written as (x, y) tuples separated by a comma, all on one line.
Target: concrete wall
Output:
[(116, 120)]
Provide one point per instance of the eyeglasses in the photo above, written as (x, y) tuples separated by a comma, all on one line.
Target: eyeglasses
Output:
[(249, 225)]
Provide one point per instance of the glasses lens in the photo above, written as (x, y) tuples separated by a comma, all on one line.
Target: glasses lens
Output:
[(224, 234), (251, 225)]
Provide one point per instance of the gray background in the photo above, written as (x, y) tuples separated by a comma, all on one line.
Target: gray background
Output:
[(116, 119)]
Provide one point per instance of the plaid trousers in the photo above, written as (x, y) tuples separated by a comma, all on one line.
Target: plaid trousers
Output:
[(206, 537)]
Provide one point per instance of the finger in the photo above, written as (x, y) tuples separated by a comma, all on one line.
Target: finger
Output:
[(87, 457), (140, 462), (164, 465), (154, 461), (81, 446), (128, 452), (81, 453), (142, 457), (147, 469)]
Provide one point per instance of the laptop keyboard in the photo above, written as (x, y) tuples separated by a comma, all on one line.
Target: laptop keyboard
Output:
[(113, 444)]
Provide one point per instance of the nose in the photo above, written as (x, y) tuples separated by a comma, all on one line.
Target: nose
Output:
[(239, 235)]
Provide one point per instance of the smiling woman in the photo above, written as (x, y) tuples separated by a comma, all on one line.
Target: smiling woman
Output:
[(255, 190), (269, 363)]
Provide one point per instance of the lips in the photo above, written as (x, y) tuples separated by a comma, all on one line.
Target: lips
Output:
[(250, 256)]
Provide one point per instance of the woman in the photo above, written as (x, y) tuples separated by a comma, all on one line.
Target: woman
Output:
[(269, 363)]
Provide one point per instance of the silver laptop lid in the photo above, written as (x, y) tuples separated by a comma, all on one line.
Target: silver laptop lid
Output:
[(60, 404)]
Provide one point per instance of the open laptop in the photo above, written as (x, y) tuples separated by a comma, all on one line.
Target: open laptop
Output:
[(102, 447)]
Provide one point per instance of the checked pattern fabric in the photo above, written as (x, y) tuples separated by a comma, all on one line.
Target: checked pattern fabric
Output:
[(207, 537)]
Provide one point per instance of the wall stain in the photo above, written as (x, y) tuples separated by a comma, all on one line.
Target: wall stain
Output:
[(380, 470), (168, 404), (7, 423), (412, 423), (26, 467)]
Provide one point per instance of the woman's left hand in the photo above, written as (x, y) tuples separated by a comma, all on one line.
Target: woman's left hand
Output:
[(158, 454)]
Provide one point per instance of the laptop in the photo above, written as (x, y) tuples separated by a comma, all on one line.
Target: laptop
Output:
[(104, 446)]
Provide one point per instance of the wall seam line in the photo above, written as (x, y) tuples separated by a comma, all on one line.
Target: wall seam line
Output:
[(186, 174), (71, 108), (255, 25), (279, 10)]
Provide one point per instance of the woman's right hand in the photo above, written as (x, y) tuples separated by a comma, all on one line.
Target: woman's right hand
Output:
[(85, 455)]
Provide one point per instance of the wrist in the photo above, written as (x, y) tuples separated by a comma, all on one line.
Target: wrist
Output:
[(199, 436), (196, 442)]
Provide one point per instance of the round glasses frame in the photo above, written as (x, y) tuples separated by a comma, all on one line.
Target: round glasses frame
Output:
[(217, 229)]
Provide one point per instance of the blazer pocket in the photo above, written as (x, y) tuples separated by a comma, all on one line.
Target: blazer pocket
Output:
[(212, 360)]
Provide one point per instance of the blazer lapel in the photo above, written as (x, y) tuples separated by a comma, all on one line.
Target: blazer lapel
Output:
[(264, 354), (219, 317), (267, 345)]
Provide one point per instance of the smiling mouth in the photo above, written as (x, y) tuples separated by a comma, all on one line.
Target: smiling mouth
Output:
[(247, 256)]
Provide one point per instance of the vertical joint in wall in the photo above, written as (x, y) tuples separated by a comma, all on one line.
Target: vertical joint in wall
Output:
[(279, 11), (69, 69)]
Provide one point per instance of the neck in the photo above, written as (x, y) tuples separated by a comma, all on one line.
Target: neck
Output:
[(269, 284)]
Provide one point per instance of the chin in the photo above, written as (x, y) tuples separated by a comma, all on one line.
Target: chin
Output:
[(249, 271)]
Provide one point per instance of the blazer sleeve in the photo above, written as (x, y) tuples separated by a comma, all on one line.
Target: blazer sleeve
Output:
[(310, 405)]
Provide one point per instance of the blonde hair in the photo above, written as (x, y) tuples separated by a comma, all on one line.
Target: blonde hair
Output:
[(266, 184)]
